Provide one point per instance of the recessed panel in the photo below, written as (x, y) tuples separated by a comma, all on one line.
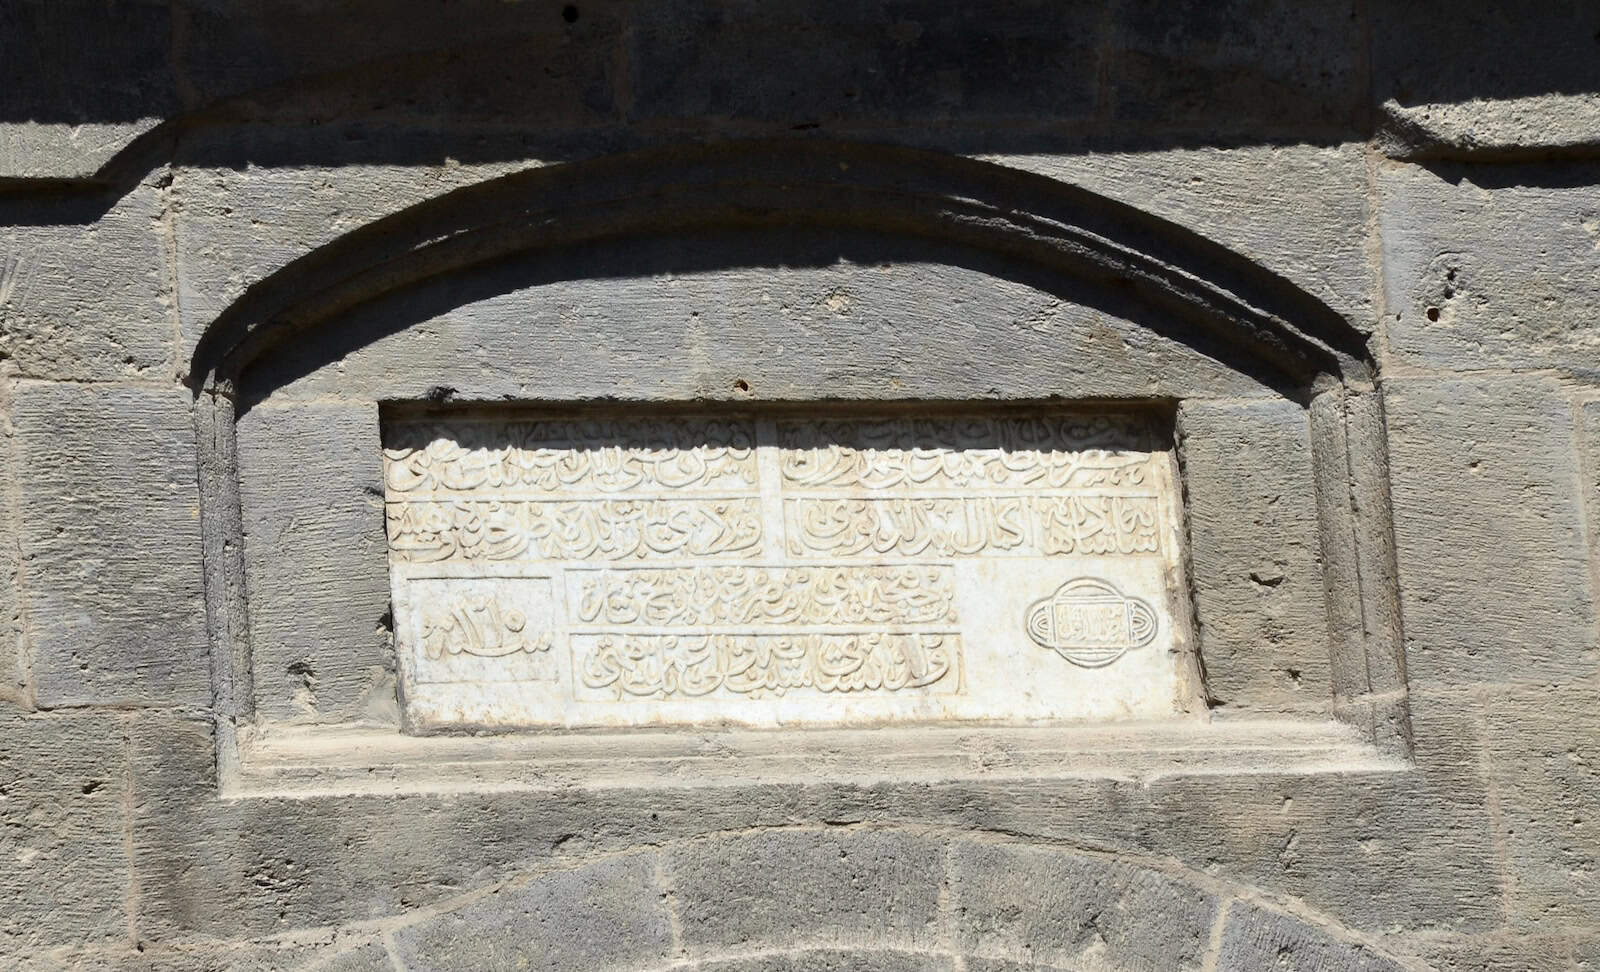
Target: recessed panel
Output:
[(784, 569)]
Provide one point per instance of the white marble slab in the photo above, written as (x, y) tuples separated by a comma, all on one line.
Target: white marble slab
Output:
[(785, 570)]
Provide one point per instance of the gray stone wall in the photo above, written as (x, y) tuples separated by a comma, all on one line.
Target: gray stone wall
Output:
[(1428, 173)]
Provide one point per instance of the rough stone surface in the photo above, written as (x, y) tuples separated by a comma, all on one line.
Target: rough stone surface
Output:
[(1415, 179), (111, 544), (1324, 252), (1256, 555), (1256, 939), (1074, 910), (794, 887), (319, 594), (1546, 778), (1485, 472), (1485, 268), (86, 286), (604, 914), (834, 960), (63, 787)]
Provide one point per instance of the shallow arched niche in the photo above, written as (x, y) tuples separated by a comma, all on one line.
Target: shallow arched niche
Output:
[(522, 288)]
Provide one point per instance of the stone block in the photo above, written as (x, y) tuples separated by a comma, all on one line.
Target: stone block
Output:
[(82, 81), (1055, 906), (484, 66), (1545, 762), (610, 913), (311, 493), (1256, 555), (1217, 69), (816, 64), (87, 286), (835, 960), (1254, 938), (1323, 250), (1496, 953), (800, 315), (13, 679), (63, 782), (1409, 849), (238, 225), (1486, 98), (1495, 580), (111, 544), (216, 956), (783, 888), (1486, 270), (1589, 441)]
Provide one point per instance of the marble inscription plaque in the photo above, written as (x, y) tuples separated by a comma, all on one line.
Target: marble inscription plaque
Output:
[(783, 570)]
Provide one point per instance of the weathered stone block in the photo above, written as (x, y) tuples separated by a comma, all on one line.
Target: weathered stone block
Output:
[(865, 62), (86, 288), (1485, 271), (1256, 555), (834, 960), (1324, 251), (237, 226), (1545, 762), (1214, 68), (62, 827), (1074, 910), (1486, 98), (1365, 846), (111, 544), (1255, 939), (1495, 578), (311, 493), (82, 81), (13, 681), (788, 887), (800, 315), (609, 913), (1496, 953)]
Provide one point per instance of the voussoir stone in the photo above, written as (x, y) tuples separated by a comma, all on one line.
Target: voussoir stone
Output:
[(1053, 905), (793, 887), (607, 914), (1255, 938)]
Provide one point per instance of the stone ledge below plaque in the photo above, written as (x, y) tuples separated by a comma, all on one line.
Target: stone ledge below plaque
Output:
[(785, 569)]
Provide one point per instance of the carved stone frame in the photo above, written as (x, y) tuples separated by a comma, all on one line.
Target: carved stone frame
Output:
[(1280, 334)]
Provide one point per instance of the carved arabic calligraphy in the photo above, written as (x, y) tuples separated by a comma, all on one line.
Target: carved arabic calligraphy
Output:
[(561, 456), (479, 625), (762, 666), (1044, 452), (1091, 623), (967, 526), (811, 594), (425, 532)]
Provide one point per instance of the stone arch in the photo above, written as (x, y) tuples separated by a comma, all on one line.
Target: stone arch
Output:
[(770, 185), (815, 899)]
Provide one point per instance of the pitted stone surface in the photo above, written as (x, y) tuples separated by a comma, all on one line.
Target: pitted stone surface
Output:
[(602, 915), (1255, 939), (1075, 910), (788, 888)]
